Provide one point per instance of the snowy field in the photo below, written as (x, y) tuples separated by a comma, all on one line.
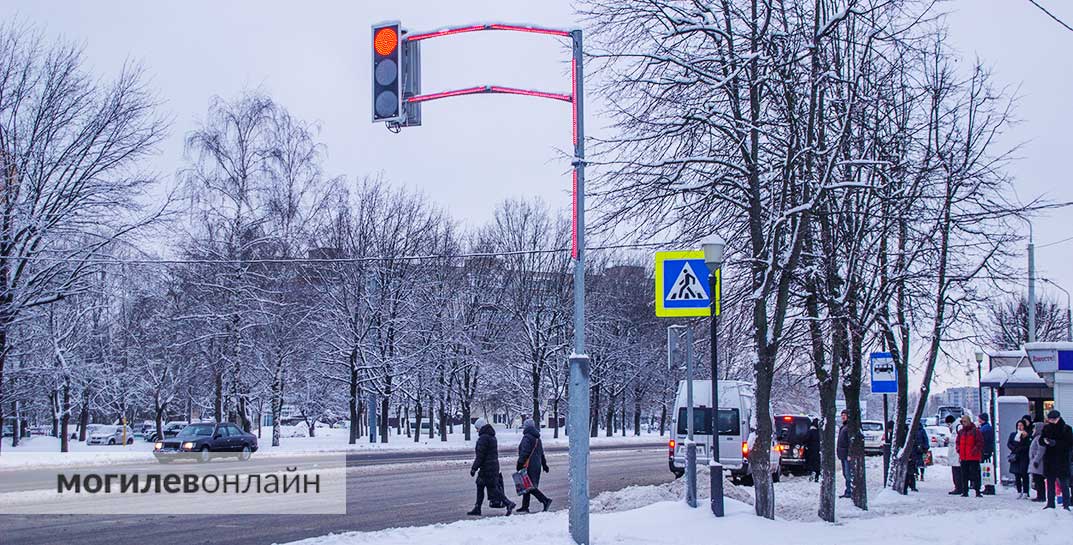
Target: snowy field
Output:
[(44, 451), (655, 515)]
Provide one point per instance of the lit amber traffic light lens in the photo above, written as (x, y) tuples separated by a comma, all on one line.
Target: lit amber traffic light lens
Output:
[(385, 41)]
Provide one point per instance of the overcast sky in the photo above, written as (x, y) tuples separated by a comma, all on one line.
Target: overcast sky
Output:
[(472, 152)]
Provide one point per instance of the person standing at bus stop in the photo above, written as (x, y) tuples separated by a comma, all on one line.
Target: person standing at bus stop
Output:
[(952, 455), (842, 452), (1058, 438), (970, 447)]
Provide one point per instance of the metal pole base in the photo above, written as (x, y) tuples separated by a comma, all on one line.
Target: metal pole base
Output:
[(716, 469), (691, 474), (579, 448)]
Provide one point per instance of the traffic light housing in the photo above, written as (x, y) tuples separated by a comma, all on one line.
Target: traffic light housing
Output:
[(387, 72)]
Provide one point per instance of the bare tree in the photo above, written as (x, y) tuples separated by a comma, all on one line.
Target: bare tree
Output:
[(69, 149)]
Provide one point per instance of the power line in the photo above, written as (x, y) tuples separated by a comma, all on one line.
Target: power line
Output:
[(1051, 15), (1055, 242), (325, 260)]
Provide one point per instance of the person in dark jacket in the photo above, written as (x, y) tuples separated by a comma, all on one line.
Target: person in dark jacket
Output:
[(812, 451), (1019, 442), (486, 468), (1058, 438), (916, 461), (970, 446), (842, 452), (531, 458), (988, 433)]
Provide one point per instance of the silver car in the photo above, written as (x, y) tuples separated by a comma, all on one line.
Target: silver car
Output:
[(111, 435)]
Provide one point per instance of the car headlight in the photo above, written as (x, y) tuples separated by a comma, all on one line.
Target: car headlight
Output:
[(188, 446), (158, 445)]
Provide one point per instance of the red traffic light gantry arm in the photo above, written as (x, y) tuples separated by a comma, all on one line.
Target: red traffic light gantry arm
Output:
[(483, 89)]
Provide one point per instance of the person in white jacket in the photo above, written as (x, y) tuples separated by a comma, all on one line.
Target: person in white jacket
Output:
[(952, 457)]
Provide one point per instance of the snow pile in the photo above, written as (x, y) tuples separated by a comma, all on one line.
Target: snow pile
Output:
[(44, 451), (673, 523), (656, 515)]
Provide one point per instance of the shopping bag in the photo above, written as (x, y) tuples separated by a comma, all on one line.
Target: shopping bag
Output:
[(522, 482), (987, 473)]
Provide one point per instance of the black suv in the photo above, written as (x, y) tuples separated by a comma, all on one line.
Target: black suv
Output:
[(791, 433), (205, 441)]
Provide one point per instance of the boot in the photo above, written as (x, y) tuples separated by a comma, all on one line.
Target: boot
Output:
[(547, 504), (476, 512), (510, 507)]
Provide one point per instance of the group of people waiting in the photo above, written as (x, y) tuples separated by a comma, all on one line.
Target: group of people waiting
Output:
[(486, 468), (1041, 456), (974, 443)]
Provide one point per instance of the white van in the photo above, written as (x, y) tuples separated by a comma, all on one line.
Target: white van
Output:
[(737, 428)]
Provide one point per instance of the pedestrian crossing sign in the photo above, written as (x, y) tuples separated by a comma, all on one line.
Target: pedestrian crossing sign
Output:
[(682, 285)]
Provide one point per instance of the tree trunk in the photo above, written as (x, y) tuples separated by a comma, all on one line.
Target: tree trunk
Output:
[(535, 376), (16, 427), (418, 415), (466, 424), (662, 419), (610, 430), (65, 418), (595, 417), (443, 421), (555, 417), (384, 406), (637, 416), (353, 402), (218, 405)]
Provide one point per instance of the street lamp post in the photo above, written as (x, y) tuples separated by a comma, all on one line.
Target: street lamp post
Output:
[(979, 382), (713, 257)]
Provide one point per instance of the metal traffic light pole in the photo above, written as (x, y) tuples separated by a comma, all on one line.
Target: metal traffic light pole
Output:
[(410, 100)]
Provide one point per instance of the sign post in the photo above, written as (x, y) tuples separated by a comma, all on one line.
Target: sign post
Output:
[(674, 336), (884, 381)]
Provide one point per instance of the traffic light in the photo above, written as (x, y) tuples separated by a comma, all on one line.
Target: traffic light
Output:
[(387, 71)]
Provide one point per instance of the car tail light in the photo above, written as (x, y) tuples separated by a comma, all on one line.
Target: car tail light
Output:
[(745, 448), (786, 418), (671, 445)]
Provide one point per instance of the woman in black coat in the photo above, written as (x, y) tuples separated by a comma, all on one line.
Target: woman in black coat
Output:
[(486, 468), (812, 451), (1019, 443), (531, 458)]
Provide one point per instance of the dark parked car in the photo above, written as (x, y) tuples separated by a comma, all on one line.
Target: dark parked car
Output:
[(205, 441), (791, 432), (171, 429)]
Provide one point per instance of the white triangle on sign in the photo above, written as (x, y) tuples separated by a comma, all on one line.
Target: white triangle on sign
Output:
[(687, 287)]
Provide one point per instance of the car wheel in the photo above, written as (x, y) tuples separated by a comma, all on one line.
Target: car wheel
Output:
[(130, 440), (746, 480), (245, 454), (111, 441), (204, 456)]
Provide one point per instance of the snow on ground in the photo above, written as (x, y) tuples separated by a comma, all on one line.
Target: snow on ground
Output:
[(44, 451), (656, 515)]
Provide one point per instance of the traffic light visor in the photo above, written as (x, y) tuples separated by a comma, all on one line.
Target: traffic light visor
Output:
[(385, 41)]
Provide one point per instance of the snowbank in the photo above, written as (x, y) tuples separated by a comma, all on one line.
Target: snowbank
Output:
[(44, 451), (656, 515), (673, 523)]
